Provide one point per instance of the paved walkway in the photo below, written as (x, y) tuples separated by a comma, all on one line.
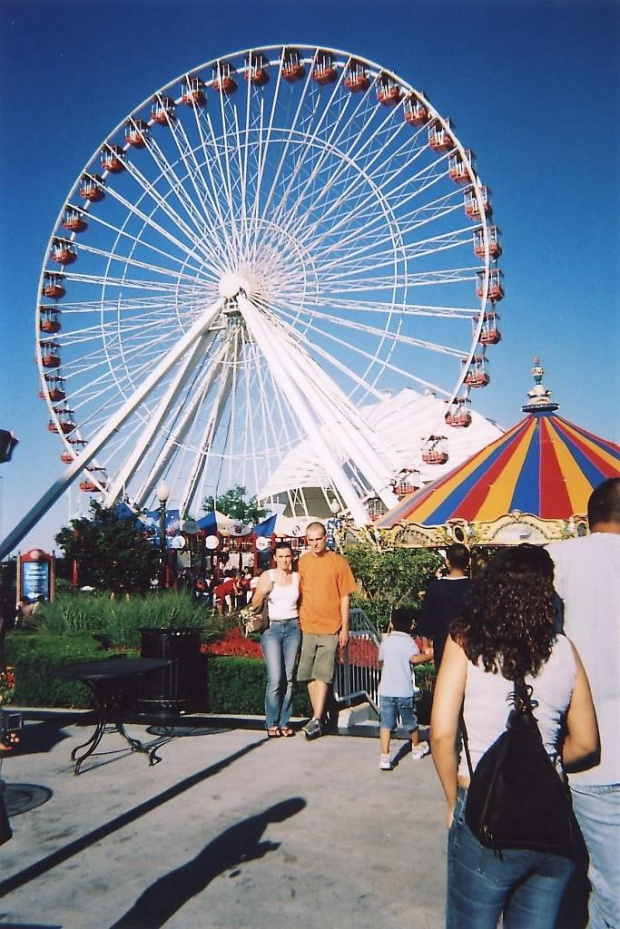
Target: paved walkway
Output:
[(229, 830)]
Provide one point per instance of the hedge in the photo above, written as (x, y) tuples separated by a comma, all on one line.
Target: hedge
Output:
[(235, 685)]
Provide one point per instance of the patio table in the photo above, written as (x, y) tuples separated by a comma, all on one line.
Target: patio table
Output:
[(108, 680)]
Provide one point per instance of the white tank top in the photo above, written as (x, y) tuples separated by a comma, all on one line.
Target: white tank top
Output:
[(283, 598), (486, 705)]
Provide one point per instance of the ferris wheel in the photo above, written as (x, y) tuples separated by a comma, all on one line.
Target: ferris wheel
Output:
[(264, 246)]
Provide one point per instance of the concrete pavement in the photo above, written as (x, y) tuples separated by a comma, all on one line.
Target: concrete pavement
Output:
[(229, 830)]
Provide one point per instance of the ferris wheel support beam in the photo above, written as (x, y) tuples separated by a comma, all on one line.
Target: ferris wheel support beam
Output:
[(187, 368), (340, 416), (208, 435), (177, 436), (50, 497), (305, 414)]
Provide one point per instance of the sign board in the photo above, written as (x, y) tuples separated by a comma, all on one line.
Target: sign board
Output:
[(35, 575)]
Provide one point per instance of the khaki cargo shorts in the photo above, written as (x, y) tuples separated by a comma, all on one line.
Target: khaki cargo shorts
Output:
[(318, 653)]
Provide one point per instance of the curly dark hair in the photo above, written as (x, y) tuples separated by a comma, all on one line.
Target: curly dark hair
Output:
[(508, 622)]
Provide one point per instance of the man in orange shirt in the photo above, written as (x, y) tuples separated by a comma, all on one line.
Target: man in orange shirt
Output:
[(326, 583)]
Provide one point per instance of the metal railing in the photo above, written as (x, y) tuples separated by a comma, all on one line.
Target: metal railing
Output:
[(358, 671)]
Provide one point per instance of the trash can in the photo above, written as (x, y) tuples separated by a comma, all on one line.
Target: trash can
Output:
[(177, 687)]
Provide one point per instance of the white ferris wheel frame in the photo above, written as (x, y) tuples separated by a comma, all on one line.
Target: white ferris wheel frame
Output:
[(294, 362)]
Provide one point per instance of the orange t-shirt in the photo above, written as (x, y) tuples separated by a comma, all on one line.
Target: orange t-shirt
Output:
[(324, 580)]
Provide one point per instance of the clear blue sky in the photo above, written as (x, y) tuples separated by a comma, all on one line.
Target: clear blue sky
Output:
[(532, 85)]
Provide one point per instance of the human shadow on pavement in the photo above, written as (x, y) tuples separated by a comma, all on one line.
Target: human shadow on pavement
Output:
[(79, 845), (237, 845)]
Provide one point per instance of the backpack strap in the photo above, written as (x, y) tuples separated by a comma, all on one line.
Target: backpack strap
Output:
[(522, 700)]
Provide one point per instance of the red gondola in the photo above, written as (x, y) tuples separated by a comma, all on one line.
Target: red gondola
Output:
[(136, 132), (472, 208), (388, 91), (74, 220), (433, 450), (495, 248), (439, 137), (414, 111), (292, 66), (162, 110), (496, 285), (477, 376), (193, 91), (49, 354), (48, 319), (53, 286), (64, 251), (324, 71), (223, 80), (65, 422), (356, 80), (256, 70), (460, 170), (458, 416), (490, 334), (111, 159), (66, 458), (55, 388), (91, 188)]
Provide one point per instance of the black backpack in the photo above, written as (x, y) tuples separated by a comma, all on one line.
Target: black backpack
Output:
[(516, 798)]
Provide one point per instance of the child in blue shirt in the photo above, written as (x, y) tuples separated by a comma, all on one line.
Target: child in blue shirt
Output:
[(398, 653)]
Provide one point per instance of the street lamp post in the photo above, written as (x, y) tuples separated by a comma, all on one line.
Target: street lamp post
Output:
[(163, 492)]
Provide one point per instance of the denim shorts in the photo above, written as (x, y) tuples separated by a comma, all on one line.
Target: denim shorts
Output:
[(391, 708)]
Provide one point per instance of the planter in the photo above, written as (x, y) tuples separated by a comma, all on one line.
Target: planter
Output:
[(178, 688)]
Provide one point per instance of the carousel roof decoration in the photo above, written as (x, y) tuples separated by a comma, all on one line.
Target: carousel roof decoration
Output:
[(544, 466)]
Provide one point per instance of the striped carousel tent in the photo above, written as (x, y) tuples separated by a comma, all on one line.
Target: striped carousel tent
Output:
[(544, 466)]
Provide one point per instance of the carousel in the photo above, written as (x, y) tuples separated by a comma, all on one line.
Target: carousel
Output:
[(530, 485)]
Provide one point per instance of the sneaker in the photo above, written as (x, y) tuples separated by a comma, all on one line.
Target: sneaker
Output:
[(385, 764), (420, 750), (312, 729)]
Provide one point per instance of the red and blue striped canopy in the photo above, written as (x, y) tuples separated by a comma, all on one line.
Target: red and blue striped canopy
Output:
[(544, 465)]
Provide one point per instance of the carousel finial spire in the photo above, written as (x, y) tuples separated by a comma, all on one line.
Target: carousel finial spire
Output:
[(540, 398)]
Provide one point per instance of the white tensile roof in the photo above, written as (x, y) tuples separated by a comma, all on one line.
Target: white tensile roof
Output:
[(401, 423)]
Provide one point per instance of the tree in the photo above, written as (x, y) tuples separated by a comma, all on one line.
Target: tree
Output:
[(392, 578), (233, 504), (113, 552)]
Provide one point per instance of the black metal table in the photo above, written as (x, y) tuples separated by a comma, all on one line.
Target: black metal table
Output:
[(108, 680)]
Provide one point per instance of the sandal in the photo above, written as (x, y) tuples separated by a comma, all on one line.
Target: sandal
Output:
[(287, 732), (273, 732)]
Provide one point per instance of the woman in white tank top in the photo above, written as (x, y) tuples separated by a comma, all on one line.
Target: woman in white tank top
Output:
[(281, 639), (507, 633)]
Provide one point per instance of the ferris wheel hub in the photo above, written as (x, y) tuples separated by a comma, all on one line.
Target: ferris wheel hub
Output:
[(232, 283)]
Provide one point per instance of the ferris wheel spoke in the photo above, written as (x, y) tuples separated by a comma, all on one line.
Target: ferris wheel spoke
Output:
[(194, 233), (400, 338), (348, 347), (375, 307), (132, 210)]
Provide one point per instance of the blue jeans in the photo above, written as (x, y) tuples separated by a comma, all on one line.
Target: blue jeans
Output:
[(280, 644), (597, 809), (526, 886)]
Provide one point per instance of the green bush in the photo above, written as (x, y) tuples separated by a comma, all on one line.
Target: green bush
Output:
[(237, 685), (35, 658), (117, 622)]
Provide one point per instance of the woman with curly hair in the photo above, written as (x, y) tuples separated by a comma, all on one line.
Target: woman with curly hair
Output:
[(507, 632)]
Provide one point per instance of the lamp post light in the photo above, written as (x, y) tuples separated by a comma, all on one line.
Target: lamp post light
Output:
[(163, 492)]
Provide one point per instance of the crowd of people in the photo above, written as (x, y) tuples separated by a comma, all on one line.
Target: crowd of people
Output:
[(485, 636)]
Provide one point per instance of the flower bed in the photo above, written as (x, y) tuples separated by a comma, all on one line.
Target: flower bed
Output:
[(233, 644)]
